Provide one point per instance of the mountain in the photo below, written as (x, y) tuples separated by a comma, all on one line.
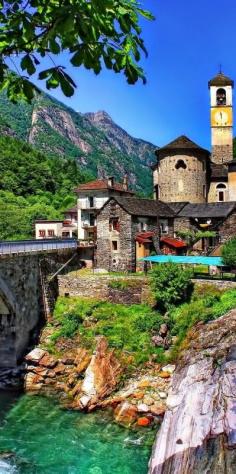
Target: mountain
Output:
[(97, 143)]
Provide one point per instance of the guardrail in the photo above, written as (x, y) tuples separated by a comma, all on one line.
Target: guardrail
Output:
[(35, 246)]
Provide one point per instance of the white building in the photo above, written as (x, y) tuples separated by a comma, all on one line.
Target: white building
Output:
[(80, 221), (91, 197), (62, 229)]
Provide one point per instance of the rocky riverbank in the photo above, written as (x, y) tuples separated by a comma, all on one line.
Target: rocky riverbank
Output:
[(86, 382), (198, 434)]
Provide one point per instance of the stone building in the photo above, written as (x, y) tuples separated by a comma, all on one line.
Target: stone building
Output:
[(181, 172), (125, 228), (186, 172), (219, 217), (91, 197)]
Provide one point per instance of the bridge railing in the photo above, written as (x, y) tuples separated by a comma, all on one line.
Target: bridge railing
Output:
[(37, 246)]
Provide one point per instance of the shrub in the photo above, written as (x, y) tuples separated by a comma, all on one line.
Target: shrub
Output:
[(205, 308), (229, 252), (171, 284)]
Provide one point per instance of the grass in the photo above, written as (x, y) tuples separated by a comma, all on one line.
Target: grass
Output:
[(87, 272), (207, 304), (129, 329)]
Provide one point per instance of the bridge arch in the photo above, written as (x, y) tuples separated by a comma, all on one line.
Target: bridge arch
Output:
[(7, 327)]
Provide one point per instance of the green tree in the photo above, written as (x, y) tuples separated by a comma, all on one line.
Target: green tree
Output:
[(229, 252), (95, 33), (171, 284)]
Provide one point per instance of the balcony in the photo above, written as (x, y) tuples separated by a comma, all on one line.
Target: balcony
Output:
[(86, 243), (91, 228)]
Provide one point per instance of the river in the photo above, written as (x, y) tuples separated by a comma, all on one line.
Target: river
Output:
[(46, 439)]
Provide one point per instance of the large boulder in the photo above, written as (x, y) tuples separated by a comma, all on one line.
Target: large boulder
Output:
[(101, 376), (198, 434)]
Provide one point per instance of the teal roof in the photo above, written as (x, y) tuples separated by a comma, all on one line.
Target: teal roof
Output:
[(190, 260)]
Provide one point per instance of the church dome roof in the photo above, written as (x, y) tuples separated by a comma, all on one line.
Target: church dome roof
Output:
[(182, 143), (221, 80)]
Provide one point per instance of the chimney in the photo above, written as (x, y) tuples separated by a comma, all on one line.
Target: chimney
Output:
[(110, 182), (125, 182)]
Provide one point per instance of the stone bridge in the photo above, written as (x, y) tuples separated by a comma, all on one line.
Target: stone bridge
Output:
[(22, 292)]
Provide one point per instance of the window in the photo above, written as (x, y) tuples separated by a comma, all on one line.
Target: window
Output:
[(91, 220), (114, 245), (42, 233), (51, 233), (142, 226), (221, 96), (181, 165), (91, 201), (157, 192), (164, 226), (221, 188), (114, 224)]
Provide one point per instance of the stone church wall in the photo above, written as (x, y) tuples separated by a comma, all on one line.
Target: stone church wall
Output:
[(213, 192), (182, 184)]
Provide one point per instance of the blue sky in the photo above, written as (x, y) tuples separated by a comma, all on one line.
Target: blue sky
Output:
[(186, 43)]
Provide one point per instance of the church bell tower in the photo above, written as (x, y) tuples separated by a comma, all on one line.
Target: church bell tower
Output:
[(221, 94)]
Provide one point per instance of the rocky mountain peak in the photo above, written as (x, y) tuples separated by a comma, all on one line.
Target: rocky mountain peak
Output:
[(100, 116)]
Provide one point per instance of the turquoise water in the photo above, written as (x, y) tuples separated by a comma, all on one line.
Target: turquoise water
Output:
[(49, 440)]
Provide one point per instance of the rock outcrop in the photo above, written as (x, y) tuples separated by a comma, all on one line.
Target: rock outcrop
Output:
[(198, 434), (101, 375)]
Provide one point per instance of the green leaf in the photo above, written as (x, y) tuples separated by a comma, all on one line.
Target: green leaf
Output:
[(54, 46), (78, 58), (27, 64)]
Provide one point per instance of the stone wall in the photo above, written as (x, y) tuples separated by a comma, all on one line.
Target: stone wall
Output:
[(134, 291), (26, 298), (222, 153), (227, 229), (222, 285), (182, 224), (182, 184), (20, 291), (213, 194)]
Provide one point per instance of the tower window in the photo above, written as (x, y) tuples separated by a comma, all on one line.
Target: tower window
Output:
[(157, 192), (181, 165), (114, 245), (221, 188), (221, 97)]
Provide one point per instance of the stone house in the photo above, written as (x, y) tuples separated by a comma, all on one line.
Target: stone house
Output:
[(219, 217), (91, 197), (128, 229)]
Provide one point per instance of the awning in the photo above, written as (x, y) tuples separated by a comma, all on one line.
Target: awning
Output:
[(177, 243), (186, 260), (144, 237)]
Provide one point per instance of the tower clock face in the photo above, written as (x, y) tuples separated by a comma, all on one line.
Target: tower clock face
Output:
[(221, 118)]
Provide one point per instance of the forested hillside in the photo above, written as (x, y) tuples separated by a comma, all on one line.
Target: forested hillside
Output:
[(99, 146), (33, 185)]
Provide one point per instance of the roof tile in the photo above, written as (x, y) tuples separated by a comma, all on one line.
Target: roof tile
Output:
[(101, 184)]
